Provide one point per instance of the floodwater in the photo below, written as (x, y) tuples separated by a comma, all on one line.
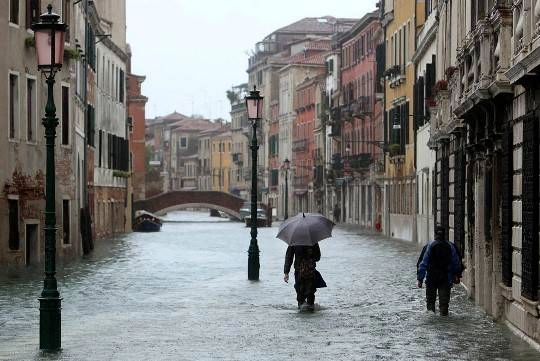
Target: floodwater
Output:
[(183, 294)]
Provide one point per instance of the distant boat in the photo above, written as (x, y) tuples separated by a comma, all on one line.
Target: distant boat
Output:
[(146, 222)]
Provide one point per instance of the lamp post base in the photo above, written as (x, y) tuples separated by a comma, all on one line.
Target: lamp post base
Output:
[(49, 323), (253, 262)]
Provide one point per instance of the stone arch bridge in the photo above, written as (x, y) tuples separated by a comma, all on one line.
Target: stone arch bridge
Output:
[(176, 200)]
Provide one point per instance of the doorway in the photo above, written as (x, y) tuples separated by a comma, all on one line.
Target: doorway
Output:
[(31, 244)]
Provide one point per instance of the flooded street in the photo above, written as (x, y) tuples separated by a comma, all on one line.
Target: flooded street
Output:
[(183, 294)]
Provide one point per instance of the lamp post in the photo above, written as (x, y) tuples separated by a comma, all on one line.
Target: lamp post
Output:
[(254, 104), (286, 166), (49, 35)]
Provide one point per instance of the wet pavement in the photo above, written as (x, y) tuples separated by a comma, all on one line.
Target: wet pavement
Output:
[(183, 294)]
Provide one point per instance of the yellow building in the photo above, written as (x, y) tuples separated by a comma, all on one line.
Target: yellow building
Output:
[(221, 161), (401, 20)]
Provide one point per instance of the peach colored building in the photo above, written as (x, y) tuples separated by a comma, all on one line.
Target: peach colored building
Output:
[(136, 114)]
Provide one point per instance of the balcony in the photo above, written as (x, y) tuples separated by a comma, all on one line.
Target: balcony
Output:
[(482, 62), (526, 35), (360, 162), (335, 130), (299, 145), (301, 181), (237, 158), (395, 75), (361, 106)]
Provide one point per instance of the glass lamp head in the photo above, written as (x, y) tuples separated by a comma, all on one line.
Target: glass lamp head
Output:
[(49, 34), (254, 104)]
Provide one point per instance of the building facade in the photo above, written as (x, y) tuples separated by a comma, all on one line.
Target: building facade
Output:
[(22, 169), (221, 161), (137, 124), (359, 115), (400, 19), (110, 200), (272, 54), (241, 154), (425, 62), (303, 145)]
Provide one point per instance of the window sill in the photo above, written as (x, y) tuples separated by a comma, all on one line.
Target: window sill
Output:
[(31, 142), (66, 245), (13, 25), (13, 140)]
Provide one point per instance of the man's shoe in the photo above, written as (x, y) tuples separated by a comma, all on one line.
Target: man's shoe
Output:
[(431, 308)]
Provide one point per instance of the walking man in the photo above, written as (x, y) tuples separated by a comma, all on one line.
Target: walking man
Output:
[(337, 213), (442, 265)]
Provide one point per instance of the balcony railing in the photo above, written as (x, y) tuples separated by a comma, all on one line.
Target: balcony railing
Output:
[(301, 181), (482, 62), (237, 158), (299, 145), (360, 161)]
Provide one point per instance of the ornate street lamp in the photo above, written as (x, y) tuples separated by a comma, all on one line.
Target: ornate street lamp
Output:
[(254, 104), (49, 36), (286, 167)]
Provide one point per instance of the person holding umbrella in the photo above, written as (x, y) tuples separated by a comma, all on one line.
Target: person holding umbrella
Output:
[(302, 233)]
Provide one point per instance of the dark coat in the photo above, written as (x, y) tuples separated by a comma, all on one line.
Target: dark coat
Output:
[(440, 264), (305, 274), (300, 253)]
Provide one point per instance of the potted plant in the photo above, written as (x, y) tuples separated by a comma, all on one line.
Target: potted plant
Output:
[(394, 149), (70, 53), (449, 72), (440, 85), (30, 42)]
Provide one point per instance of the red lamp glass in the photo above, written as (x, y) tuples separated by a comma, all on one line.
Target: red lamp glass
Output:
[(254, 104), (49, 34)]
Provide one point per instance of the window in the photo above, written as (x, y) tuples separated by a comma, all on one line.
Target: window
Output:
[(66, 17), (91, 124), (274, 177), (183, 142), (65, 115), (31, 117), (14, 12), (109, 151), (13, 104), (65, 220), (121, 87), (32, 12), (13, 209), (100, 148)]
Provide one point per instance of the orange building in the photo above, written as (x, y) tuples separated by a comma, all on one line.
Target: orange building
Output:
[(136, 114), (303, 146)]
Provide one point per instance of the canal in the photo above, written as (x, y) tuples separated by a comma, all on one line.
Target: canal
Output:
[(183, 294)]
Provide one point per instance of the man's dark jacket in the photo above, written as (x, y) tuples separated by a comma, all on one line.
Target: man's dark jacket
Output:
[(441, 263), (299, 253)]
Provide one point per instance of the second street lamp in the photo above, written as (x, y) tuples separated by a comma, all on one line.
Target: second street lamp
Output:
[(286, 166), (49, 35), (254, 104)]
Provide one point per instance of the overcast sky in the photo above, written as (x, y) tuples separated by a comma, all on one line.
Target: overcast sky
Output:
[(192, 51)]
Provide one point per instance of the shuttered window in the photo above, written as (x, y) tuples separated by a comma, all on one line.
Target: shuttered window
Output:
[(13, 210), (32, 12)]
